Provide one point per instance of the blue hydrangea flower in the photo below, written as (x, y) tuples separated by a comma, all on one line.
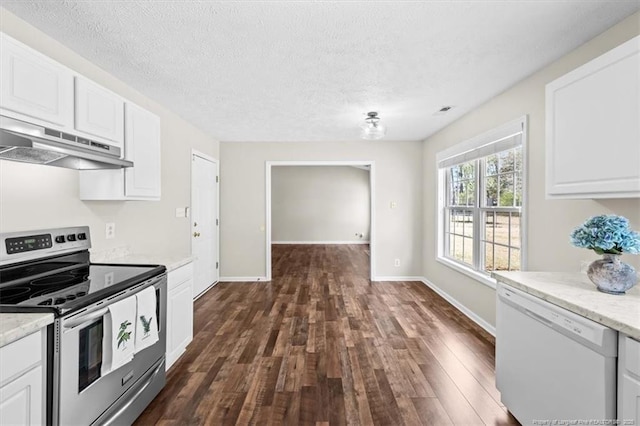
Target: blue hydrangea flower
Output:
[(606, 234)]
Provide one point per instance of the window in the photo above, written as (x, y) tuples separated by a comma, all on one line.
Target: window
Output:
[(481, 200)]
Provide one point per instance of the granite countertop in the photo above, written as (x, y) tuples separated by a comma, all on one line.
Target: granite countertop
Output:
[(576, 293), (16, 326), (124, 255), (172, 262)]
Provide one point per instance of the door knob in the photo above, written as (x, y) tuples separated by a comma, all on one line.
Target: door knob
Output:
[(195, 223), (196, 234)]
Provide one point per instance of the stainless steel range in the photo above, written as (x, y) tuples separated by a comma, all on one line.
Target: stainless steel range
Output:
[(49, 271)]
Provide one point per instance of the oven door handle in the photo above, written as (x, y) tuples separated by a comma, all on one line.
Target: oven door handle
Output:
[(132, 399), (81, 320)]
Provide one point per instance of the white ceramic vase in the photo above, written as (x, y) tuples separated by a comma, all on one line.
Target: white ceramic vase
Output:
[(610, 275)]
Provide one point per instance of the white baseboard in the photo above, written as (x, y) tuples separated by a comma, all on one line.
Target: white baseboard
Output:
[(396, 278), (205, 290), (459, 306), (321, 242), (243, 279)]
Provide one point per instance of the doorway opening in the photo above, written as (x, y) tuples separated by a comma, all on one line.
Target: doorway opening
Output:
[(357, 235)]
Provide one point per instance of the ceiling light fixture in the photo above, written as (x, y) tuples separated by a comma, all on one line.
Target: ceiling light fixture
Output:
[(372, 129)]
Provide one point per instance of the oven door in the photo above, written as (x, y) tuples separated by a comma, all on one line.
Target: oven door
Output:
[(80, 393)]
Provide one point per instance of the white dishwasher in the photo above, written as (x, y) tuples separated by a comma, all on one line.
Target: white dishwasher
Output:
[(551, 364)]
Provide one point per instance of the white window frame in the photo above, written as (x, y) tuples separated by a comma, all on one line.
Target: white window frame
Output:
[(467, 148)]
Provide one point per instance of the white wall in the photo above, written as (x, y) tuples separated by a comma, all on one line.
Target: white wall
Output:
[(319, 203), (398, 177), (549, 221), (35, 196)]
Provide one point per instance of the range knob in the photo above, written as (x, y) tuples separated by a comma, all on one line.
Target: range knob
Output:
[(71, 237), (60, 239), (82, 236)]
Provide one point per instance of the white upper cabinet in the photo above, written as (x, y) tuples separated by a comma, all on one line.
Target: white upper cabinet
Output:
[(593, 128), (33, 87), (142, 146), (36, 89), (98, 111)]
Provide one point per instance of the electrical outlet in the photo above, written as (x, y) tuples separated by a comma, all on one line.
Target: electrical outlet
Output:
[(396, 263), (110, 230), (109, 279)]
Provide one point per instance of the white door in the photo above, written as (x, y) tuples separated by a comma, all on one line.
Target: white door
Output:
[(204, 222)]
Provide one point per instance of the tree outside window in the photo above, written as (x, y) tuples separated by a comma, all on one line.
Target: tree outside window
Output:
[(483, 212)]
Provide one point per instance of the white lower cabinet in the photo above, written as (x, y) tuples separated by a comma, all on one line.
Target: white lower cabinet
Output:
[(628, 381), (23, 381), (179, 312)]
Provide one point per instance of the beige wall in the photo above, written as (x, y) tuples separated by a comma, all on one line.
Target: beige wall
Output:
[(319, 203), (398, 178), (549, 221), (34, 196)]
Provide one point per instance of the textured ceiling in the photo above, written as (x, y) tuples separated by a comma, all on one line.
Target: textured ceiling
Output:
[(310, 70)]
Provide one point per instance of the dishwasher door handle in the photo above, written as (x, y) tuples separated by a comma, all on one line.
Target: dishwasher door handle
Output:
[(537, 317)]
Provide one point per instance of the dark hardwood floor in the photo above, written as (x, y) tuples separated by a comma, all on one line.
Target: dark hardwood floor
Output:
[(322, 345)]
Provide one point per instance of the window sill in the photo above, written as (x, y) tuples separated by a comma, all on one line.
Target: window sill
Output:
[(478, 276)]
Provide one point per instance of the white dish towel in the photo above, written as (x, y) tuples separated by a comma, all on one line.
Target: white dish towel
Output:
[(118, 341), (146, 321)]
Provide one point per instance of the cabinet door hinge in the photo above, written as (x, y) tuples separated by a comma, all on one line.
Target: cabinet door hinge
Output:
[(216, 265), (217, 179), (216, 222)]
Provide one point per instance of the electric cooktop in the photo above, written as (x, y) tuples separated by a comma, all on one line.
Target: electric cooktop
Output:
[(60, 283)]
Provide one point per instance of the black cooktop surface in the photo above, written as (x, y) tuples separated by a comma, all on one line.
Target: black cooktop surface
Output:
[(66, 283)]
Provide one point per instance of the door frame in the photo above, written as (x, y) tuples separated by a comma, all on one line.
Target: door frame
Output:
[(372, 193), (204, 156)]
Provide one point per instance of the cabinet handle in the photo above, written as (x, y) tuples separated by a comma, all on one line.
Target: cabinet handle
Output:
[(195, 224), (196, 234)]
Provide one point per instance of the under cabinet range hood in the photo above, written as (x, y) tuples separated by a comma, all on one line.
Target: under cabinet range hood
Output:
[(30, 143)]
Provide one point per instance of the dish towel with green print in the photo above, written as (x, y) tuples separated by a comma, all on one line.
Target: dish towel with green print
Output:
[(146, 319), (119, 334)]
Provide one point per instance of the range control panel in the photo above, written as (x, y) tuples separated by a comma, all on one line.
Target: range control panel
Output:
[(28, 245), (39, 242)]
